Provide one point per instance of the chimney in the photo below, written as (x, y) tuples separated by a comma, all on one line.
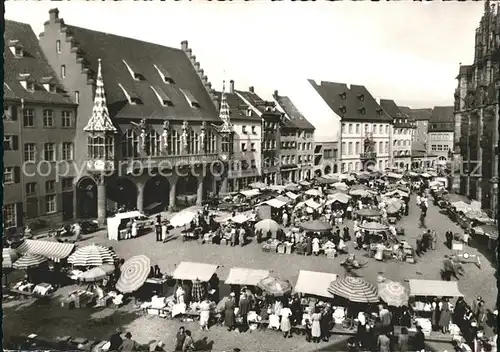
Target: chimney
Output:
[(53, 14), (189, 53), (201, 73), (208, 84), (275, 94), (251, 89), (184, 45), (231, 86), (197, 67), (193, 60), (204, 79)]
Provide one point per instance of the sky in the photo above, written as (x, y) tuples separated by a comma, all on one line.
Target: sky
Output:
[(406, 51)]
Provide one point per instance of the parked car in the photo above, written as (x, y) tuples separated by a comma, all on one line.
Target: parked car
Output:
[(89, 226)]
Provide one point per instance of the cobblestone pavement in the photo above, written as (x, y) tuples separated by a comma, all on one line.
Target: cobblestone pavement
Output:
[(55, 321)]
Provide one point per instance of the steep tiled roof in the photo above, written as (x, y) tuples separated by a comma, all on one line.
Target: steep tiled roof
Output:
[(32, 62), (259, 103), (296, 119), (351, 103), (422, 114), (395, 112), (119, 52), (406, 110), (465, 70), (442, 114), (237, 107)]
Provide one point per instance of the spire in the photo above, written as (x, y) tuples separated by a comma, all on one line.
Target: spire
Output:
[(100, 120), (224, 113)]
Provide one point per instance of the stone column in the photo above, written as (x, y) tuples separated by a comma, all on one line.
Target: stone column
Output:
[(140, 196), (223, 187), (75, 201), (101, 199), (172, 194), (199, 193), (479, 194)]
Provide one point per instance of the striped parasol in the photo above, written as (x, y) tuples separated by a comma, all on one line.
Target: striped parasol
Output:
[(316, 225), (373, 226), (198, 291), (274, 286), (135, 271), (92, 255), (9, 256), (28, 261), (267, 225), (393, 293), (355, 289), (96, 274)]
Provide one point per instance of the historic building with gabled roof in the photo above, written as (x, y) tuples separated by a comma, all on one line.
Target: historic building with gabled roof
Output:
[(366, 127), (39, 131), (401, 135), (163, 109), (297, 141)]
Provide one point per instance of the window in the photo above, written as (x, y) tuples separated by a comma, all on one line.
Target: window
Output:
[(50, 203), (49, 152), (130, 145), (7, 113), (77, 97), (387, 129), (48, 118), (350, 128), (30, 188), (344, 148), (10, 215), (358, 147), (253, 164), (358, 126), (386, 149), (67, 151), (28, 117), (440, 147), (252, 146), (154, 144), (58, 46), (244, 129), (29, 152), (226, 144), (63, 71), (10, 142), (67, 119), (50, 186), (381, 147), (67, 183), (243, 147), (433, 147), (343, 128), (8, 175), (349, 150)]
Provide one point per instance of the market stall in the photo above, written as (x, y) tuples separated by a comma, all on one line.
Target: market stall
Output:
[(117, 225), (245, 276), (50, 249), (192, 271), (314, 283)]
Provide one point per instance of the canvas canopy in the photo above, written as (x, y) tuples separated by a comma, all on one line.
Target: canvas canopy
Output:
[(434, 288), (250, 193), (275, 203), (394, 175), (314, 283), (312, 204), (128, 215), (192, 271), (245, 276), (291, 195)]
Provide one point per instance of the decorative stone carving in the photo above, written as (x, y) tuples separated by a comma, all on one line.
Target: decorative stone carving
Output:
[(143, 132), (185, 127), (165, 134), (203, 136)]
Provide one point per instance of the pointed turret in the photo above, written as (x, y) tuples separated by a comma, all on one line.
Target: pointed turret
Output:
[(224, 112), (100, 120)]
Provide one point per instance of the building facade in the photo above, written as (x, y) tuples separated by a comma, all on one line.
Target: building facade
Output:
[(422, 117), (39, 131), (326, 157), (440, 140), (245, 165), (297, 141), (162, 140), (401, 140), (365, 130), (476, 114), (271, 120)]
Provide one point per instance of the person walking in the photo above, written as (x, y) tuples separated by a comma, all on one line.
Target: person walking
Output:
[(384, 343), (204, 314), (158, 231), (444, 316), (134, 229), (285, 325), (244, 308), (419, 340), (315, 327), (188, 342), (403, 340), (164, 232), (229, 312), (179, 338), (448, 269), (449, 239)]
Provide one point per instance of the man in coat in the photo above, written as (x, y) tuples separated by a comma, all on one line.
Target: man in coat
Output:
[(244, 308), (229, 312)]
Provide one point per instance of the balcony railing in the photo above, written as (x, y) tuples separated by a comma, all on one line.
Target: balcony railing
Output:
[(369, 155), (243, 173), (99, 165), (170, 161)]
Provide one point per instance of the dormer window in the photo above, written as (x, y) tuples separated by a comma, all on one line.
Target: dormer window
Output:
[(165, 76), (343, 95), (190, 98), (361, 97), (27, 82), (162, 96), (49, 84), (131, 96), (133, 72), (249, 112), (343, 109), (16, 48), (362, 111), (379, 111)]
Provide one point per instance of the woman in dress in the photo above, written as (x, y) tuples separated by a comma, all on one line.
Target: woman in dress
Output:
[(164, 232), (315, 246), (445, 316), (204, 314), (316, 327), (134, 229), (179, 295), (286, 327)]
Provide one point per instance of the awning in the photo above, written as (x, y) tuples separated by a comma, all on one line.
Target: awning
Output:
[(394, 175), (434, 288), (250, 193), (283, 199), (9, 256), (192, 271), (128, 215), (314, 283), (312, 204), (291, 195), (244, 276), (275, 203), (52, 250), (240, 218)]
